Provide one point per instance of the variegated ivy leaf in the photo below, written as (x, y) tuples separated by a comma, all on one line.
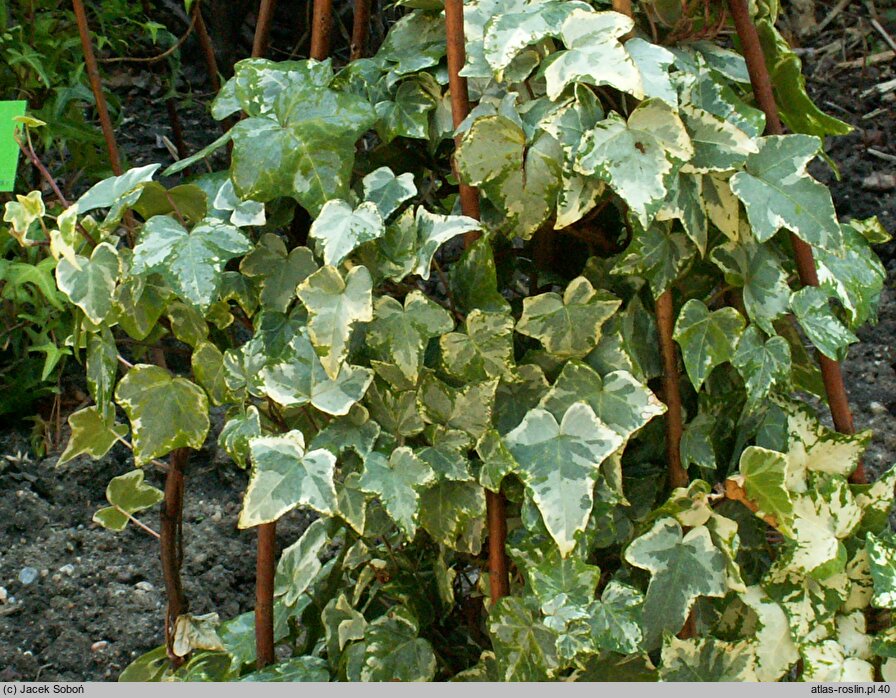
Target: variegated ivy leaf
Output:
[(473, 279), (166, 412), (618, 400), (615, 620), (397, 480), (685, 202), (882, 559), (822, 517), (568, 326), (101, 369), (406, 114), (278, 271), (812, 308), (484, 351), (719, 145), (22, 213), (394, 410), (207, 363), (594, 54), (828, 661), (433, 229), (778, 193), (90, 284), (237, 432), (453, 513), (342, 623), (707, 338), (386, 191), (636, 157), (706, 659), (300, 563), (653, 63), (468, 409), (518, 392), (400, 334), (297, 142), (762, 363), (857, 277), (559, 463), (722, 206), (757, 268), (774, 649), (354, 431), (196, 633), (295, 669), (190, 262), (128, 495), (573, 119), (764, 474), (334, 305), (116, 193), (812, 447), (414, 42), (521, 179), (658, 255), (683, 567), (572, 577), (876, 500), (285, 476), (525, 649), (339, 230), (299, 378), (242, 213), (392, 650), (91, 435), (521, 23)]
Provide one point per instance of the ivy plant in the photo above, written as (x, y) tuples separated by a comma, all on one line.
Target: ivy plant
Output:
[(387, 380)]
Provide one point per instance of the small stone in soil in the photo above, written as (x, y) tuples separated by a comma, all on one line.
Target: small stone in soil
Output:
[(4, 595), (877, 408), (144, 586), (99, 646), (27, 575), (67, 569)]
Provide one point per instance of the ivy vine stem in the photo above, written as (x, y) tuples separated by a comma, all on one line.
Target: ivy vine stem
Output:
[(831, 370), (495, 502), (360, 29), (171, 547), (321, 26), (665, 321), (263, 28), (264, 595), (96, 86)]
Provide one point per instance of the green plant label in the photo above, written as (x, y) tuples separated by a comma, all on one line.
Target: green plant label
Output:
[(9, 149)]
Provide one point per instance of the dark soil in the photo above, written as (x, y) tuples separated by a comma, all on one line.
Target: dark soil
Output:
[(97, 599)]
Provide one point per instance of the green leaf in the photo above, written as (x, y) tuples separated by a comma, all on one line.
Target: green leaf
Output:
[(300, 563), (521, 179), (407, 113), (335, 304), (560, 463), (414, 42), (285, 476), (453, 513), (393, 652), (706, 659), (237, 432), (400, 334), (90, 284), (758, 270), (616, 620), (524, 648), (764, 479), (191, 263), (355, 431), (294, 669), (882, 559), (683, 568), (388, 192), (618, 400), (473, 280), (397, 481), (636, 158), (762, 363), (339, 230), (166, 412), (484, 351), (592, 39), (278, 271), (127, 494), (658, 255), (829, 335), (568, 326), (101, 368), (91, 435), (707, 339), (778, 193), (468, 409)]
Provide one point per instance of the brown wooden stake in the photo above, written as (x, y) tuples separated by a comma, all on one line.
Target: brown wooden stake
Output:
[(96, 86), (831, 371), (665, 322), (208, 50), (469, 200), (263, 28), (171, 547), (360, 29), (264, 595), (321, 26)]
